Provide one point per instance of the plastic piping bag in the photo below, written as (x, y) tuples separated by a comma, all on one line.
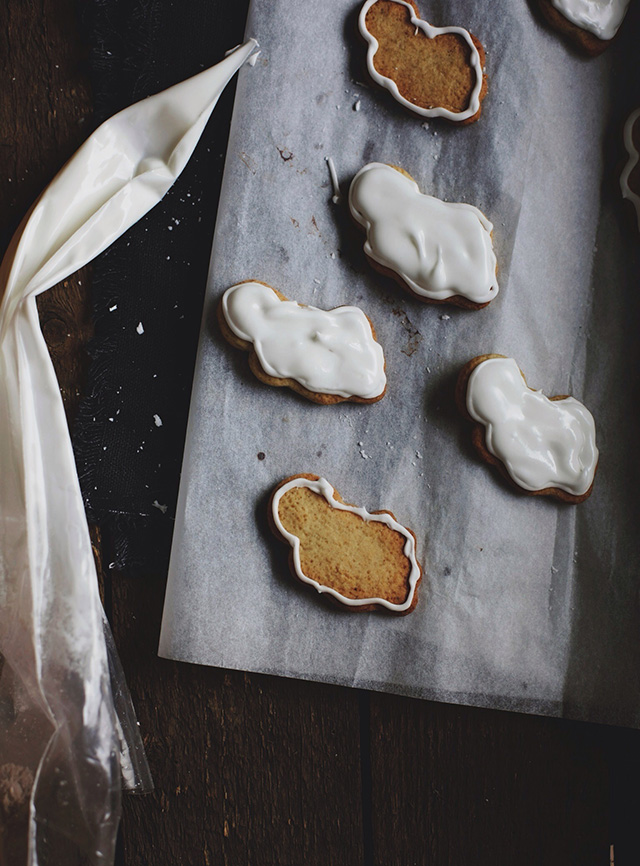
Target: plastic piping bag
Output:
[(65, 717)]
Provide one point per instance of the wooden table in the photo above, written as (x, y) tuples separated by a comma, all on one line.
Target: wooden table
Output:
[(258, 770)]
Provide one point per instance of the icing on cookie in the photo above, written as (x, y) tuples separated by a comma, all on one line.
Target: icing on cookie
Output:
[(322, 487), (328, 352), (439, 249), (600, 17), (542, 443), (429, 31), (627, 192)]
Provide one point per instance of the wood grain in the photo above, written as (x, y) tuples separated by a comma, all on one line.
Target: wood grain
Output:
[(44, 116), (484, 786), (248, 769), (44, 113)]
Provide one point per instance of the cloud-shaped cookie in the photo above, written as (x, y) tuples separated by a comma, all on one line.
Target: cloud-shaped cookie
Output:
[(440, 251), (589, 24), (630, 177), (326, 355), (363, 560), (432, 71), (545, 445)]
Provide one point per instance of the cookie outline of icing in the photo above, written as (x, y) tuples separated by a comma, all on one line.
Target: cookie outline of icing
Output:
[(633, 156), (477, 63), (325, 489)]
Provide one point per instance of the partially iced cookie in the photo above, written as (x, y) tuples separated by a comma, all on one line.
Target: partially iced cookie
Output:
[(589, 24), (544, 445), (327, 356), (439, 251), (431, 71), (362, 560), (630, 177)]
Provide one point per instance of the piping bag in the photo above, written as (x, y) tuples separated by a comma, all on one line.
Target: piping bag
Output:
[(68, 734)]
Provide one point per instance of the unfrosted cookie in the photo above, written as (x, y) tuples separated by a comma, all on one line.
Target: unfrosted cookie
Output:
[(630, 177), (544, 445), (439, 251), (327, 356), (589, 24), (432, 71), (362, 560)]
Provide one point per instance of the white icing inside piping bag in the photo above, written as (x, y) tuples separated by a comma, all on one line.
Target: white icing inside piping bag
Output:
[(51, 619)]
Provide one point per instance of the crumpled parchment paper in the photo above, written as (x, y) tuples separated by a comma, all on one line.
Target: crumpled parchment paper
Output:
[(526, 604)]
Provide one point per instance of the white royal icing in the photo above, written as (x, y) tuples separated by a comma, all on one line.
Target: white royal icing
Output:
[(542, 443), (430, 32), (627, 192), (326, 351), (600, 17), (323, 488), (439, 249), (333, 174)]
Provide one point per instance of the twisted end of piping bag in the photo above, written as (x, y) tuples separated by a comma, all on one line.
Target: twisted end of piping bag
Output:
[(123, 170), (57, 656)]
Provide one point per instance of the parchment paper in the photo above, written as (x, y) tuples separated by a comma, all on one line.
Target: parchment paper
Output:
[(526, 604)]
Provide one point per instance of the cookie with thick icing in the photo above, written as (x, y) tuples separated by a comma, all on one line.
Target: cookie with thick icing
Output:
[(630, 177), (441, 252), (588, 24), (546, 446), (362, 560), (327, 356), (431, 71)]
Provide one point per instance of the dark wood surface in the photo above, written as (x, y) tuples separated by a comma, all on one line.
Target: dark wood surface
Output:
[(258, 770)]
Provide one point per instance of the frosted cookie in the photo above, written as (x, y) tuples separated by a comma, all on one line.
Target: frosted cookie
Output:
[(362, 560), (545, 445), (432, 71), (630, 177), (439, 251), (327, 356), (589, 24)]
